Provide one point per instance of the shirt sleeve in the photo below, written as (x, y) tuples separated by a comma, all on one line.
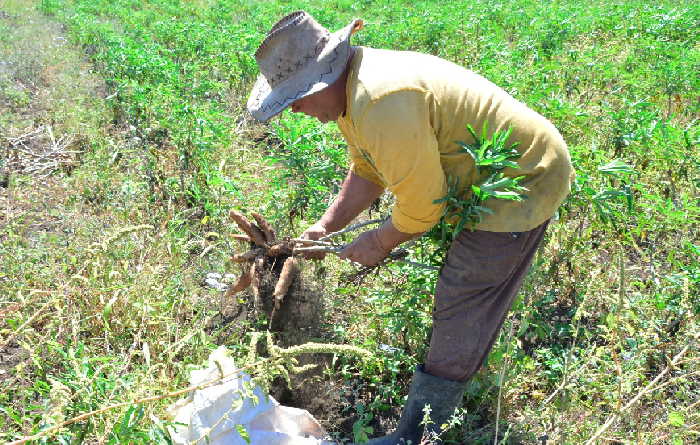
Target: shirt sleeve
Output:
[(400, 140), (361, 166)]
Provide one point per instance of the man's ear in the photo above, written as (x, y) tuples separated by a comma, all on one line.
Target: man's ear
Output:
[(357, 26)]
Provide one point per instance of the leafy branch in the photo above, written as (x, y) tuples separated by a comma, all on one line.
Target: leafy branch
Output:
[(491, 156)]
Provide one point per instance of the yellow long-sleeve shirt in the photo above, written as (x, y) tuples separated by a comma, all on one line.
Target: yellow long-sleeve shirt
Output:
[(405, 111)]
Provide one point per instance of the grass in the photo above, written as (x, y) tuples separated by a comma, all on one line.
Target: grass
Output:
[(102, 260)]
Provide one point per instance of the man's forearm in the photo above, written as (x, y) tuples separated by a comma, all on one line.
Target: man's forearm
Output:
[(389, 236), (356, 194), (373, 246)]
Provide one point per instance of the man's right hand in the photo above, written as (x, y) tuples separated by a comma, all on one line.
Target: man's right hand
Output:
[(315, 232)]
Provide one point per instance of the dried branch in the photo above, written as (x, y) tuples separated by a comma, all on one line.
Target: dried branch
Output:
[(647, 389), (314, 249), (394, 255), (312, 242), (22, 138), (39, 152), (30, 320)]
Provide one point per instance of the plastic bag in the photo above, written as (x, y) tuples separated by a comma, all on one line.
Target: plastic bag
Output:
[(218, 414)]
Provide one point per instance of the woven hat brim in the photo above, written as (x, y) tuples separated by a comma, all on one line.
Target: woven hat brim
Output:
[(266, 102)]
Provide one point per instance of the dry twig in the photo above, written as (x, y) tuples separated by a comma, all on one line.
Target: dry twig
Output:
[(647, 389), (39, 152)]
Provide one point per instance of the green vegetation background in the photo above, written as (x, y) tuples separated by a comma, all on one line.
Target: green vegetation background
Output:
[(612, 296)]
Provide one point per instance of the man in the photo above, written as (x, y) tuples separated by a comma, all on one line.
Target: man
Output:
[(401, 113)]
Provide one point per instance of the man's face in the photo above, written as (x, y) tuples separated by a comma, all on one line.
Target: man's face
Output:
[(324, 105)]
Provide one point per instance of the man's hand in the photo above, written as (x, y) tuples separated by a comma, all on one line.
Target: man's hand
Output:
[(373, 246), (366, 249), (315, 232)]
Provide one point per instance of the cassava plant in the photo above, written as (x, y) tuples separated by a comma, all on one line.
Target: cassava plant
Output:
[(465, 206)]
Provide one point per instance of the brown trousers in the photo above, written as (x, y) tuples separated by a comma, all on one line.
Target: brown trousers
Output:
[(481, 276)]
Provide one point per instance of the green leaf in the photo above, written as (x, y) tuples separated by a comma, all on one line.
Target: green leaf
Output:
[(491, 156), (676, 419), (513, 196), (243, 432), (615, 168)]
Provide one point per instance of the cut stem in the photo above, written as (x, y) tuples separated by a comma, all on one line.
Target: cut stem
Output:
[(351, 228)]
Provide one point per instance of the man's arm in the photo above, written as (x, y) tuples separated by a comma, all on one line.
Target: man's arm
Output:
[(373, 246), (397, 134), (356, 194)]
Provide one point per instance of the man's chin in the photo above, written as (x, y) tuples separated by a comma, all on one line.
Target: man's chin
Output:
[(327, 118)]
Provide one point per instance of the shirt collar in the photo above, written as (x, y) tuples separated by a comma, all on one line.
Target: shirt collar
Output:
[(351, 83)]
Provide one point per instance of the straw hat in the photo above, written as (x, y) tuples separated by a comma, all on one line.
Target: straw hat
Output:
[(298, 57)]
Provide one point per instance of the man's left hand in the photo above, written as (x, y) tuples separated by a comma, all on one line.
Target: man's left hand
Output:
[(366, 249)]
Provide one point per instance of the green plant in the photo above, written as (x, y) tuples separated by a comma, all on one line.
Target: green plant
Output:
[(361, 431), (613, 202), (308, 167), (491, 154)]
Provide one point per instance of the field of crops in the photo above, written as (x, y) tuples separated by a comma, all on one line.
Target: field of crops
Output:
[(102, 261)]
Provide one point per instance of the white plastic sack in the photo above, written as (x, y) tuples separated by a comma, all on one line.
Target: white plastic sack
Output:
[(211, 415)]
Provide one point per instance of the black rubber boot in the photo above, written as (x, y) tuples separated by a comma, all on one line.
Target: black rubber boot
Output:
[(442, 395)]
